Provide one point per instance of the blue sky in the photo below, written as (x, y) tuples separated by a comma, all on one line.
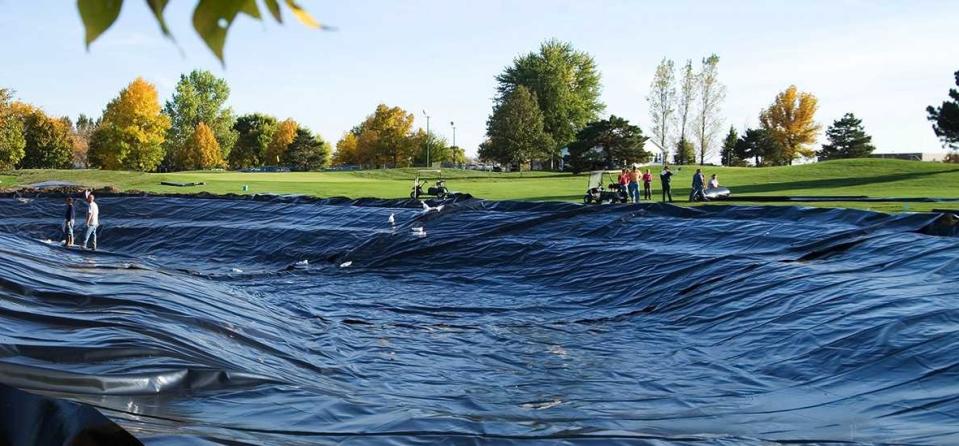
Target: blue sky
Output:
[(883, 60)]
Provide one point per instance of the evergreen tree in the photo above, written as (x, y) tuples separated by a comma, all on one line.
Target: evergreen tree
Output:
[(515, 131), (307, 151), (847, 139), (760, 145), (945, 119), (729, 155), (685, 152), (608, 143)]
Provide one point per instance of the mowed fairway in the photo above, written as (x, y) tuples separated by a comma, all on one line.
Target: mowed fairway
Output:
[(866, 177)]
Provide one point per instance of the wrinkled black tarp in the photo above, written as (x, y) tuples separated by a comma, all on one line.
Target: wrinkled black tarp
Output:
[(292, 321), (31, 420)]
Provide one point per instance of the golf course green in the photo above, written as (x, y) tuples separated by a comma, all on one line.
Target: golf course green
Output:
[(855, 177)]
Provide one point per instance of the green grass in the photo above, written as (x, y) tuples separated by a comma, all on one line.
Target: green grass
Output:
[(869, 177)]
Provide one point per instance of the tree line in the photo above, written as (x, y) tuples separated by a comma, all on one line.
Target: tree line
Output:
[(194, 130), (547, 108)]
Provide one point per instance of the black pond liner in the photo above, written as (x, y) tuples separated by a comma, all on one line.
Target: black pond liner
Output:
[(289, 321)]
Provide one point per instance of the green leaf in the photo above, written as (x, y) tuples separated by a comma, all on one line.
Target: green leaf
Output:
[(97, 16), (212, 20), (274, 7), (157, 6), (250, 9)]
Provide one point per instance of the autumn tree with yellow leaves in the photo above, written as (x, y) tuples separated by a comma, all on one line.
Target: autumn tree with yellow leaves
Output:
[(790, 122), (131, 132), (384, 138), (346, 150), (202, 150), (282, 138)]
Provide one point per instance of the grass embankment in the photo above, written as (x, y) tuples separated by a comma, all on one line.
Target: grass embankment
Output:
[(868, 177)]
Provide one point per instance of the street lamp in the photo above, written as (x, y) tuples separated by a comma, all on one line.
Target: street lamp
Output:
[(427, 138), (453, 124)]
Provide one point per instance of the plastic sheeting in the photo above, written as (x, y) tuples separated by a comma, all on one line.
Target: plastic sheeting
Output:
[(290, 321), (33, 420)]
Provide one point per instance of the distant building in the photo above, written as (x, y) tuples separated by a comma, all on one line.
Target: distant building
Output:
[(936, 157)]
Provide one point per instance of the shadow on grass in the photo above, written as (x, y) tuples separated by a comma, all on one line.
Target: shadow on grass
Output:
[(832, 183)]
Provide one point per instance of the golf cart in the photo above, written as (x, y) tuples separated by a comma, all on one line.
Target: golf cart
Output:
[(439, 190), (596, 193)]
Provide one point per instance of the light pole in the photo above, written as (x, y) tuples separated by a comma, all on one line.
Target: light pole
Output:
[(427, 138), (453, 124)]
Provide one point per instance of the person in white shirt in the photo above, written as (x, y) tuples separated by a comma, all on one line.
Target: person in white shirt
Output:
[(93, 220), (714, 182)]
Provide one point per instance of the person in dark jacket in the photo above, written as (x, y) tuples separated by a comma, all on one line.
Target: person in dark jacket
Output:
[(664, 177), (68, 219), (698, 192)]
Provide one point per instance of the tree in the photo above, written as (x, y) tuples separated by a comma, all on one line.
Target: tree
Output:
[(201, 150), (254, 134), (282, 138), (48, 143), (458, 155), (82, 133), (346, 150), (685, 152), (607, 143), (131, 132), (711, 95), (307, 151), (761, 146), (199, 97), (684, 106), (790, 121), (729, 156), (211, 19), (566, 84), (516, 131), (385, 138), (847, 139), (945, 119), (12, 142), (439, 149), (662, 103)]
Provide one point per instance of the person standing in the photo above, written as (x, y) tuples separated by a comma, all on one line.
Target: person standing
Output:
[(665, 177), (647, 185), (623, 180), (93, 220), (634, 185), (68, 219), (698, 187)]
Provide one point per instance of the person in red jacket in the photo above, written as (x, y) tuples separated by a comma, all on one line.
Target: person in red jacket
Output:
[(648, 185)]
